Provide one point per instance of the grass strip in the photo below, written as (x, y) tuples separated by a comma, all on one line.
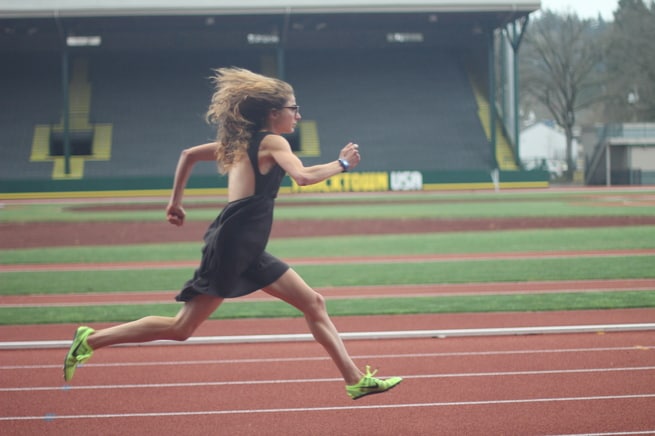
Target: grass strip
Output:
[(636, 267), (343, 307), (471, 206), (540, 240), (479, 271)]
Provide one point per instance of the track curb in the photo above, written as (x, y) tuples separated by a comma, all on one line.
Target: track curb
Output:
[(401, 334)]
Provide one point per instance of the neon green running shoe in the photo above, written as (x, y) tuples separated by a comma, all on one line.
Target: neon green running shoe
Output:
[(370, 385), (79, 352)]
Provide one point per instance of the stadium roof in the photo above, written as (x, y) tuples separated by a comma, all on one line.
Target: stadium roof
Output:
[(97, 8), (238, 24)]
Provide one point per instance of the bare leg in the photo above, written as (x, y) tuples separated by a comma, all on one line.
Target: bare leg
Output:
[(292, 289), (151, 328)]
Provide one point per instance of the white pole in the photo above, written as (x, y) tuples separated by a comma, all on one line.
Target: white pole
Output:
[(608, 165), (495, 178)]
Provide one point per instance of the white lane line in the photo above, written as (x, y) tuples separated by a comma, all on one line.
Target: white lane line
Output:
[(613, 433), (371, 260), (436, 293), (52, 417), (356, 357), (403, 334), (323, 380)]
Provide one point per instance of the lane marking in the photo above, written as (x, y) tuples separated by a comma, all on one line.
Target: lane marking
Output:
[(436, 293), (368, 260), (355, 357), (614, 433), (402, 334), (323, 380), (331, 408), (364, 291)]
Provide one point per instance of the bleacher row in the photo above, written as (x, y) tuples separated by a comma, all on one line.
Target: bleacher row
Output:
[(408, 109)]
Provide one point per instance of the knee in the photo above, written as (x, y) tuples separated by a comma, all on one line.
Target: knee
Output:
[(182, 331), (316, 307)]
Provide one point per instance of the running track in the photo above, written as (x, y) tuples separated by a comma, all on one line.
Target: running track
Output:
[(593, 383), (547, 384)]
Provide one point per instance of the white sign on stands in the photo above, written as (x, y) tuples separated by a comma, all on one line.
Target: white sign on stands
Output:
[(406, 181)]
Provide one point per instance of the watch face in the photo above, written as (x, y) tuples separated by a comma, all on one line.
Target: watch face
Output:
[(344, 164)]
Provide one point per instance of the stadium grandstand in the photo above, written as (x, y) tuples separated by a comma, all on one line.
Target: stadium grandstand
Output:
[(103, 95)]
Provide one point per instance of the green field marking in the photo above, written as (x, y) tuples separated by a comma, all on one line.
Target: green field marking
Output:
[(470, 271), (424, 205), (343, 307), (503, 241), (371, 206)]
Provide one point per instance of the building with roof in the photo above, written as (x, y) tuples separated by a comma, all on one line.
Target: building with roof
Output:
[(104, 94)]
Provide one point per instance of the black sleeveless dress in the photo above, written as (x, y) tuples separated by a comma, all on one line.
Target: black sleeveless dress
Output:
[(234, 261)]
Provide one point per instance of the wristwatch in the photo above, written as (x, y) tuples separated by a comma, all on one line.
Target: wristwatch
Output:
[(344, 164)]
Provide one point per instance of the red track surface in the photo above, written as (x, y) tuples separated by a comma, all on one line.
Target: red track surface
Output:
[(543, 384), (554, 384)]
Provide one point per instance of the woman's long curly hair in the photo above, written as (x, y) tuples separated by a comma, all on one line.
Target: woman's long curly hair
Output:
[(239, 108)]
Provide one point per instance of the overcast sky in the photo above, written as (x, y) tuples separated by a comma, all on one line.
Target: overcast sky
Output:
[(583, 8)]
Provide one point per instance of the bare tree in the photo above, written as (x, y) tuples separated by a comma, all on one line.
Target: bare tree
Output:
[(559, 62)]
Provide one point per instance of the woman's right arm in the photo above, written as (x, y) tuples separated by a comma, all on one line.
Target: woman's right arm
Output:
[(206, 152)]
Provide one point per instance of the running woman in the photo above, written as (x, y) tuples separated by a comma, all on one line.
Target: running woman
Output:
[(250, 112)]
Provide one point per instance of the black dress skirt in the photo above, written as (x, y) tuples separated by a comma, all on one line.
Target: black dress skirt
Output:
[(234, 261)]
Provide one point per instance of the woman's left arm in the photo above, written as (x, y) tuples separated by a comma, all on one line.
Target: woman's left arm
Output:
[(282, 154)]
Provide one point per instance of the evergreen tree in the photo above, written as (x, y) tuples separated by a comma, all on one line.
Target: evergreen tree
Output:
[(630, 56)]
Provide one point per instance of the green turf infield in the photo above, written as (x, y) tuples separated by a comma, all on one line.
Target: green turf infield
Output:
[(342, 307), (424, 205), (503, 241), (411, 205), (348, 274)]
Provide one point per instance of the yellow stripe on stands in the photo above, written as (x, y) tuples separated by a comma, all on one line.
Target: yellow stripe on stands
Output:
[(309, 142), (223, 191), (79, 112), (40, 143), (76, 168), (101, 146)]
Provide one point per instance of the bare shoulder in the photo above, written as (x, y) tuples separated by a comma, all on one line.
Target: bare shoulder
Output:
[(274, 142)]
